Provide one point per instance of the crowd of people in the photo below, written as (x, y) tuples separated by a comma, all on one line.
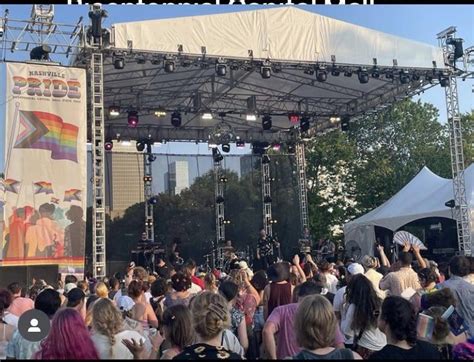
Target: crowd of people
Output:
[(369, 309)]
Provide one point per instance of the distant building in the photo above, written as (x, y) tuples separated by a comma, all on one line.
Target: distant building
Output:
[(177, 179)]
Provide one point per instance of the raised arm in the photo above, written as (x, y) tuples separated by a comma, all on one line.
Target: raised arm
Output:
[(383, 257)]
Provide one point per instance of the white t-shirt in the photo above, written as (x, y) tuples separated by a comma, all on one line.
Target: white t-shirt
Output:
[(331, 282), (195, 289), (119, 351), (339, 299), (11, 319), (372, 338)]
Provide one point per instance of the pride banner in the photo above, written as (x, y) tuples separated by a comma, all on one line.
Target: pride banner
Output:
[(45, 167)]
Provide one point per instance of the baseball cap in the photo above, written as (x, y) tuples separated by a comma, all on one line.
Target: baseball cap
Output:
[(355, 268), (125, 303), (68, 287), (75, 295)]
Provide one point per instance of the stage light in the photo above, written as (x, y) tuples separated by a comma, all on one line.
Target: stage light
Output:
[(40, 53), (266, 71), (251, 117), (294, 118), (240, 144), (267, 199), (273, 222), (147, 178), (160, 112), (348, 73), (266, 122), (291, 147), (276, 146), (363, 76), (404, 77), (219, 200), (216, 155), (415, 77), (429, 78), (149, 223), (140, 59), (321, 74), (304, 124), (335, 71), (221, 69), (119, 63), (153, 200), (169, 66), (212, 145), (389, 74), (451, 204), (234, 66), (226, 148), (223, 179), (132, 118), (309, 71), (334, 119), (265, 159), (345, 123), (140, 145), (108, 145), (207, 116), (443, 79), (114, 111), (375, 72), (176, 119)]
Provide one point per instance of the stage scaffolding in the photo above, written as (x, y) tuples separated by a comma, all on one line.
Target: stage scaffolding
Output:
[(228, 96)]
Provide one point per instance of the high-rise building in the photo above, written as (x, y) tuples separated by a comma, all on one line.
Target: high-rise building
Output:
[(177, 179)]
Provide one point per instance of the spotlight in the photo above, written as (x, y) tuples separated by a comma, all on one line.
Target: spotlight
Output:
[(234, 66), (294, 118), (108, 145), (321, 74), (304, 124), (375, 72), (223, 179), (363, 76), (251, 117), (216, 155), (291, 147), (141, 144), (240, 144), (335, 71), (276, 146), (267, 199), (207, 116), (273, 222), (114, 111), (219, 200), (389, 74), (309, 71), (444, 82), (169, 66), (119, 63), (149, 223), (345, 123), (266, 71), (266, 122), (132, 118), (348, 73), (147, 178), (404, 77), (226, 148), (176, 119), (450, 204), (265, 159), (40, 53), (334, 119), (221, 69), (224, 222), (153, 200), (160, 112), (429, 78)]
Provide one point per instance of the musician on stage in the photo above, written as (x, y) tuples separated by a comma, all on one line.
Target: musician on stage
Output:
[(326, 249), (144, 238), (265, 249), (305, 242), (173, 254), (229, 250)]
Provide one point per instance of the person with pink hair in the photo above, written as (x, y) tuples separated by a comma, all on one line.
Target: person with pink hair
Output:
[(68, 339)]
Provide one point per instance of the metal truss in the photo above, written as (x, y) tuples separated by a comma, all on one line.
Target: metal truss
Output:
[(148, 191), (461, 209), (219, 201), (302, 189), (266, 196)]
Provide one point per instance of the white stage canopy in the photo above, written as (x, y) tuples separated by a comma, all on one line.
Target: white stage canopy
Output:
[(424, 196), (295, 44)]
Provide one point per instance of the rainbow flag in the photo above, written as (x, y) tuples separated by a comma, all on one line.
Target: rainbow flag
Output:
[(72, 194), (11, 185), (55, 200), (47, 131), (42, 187)]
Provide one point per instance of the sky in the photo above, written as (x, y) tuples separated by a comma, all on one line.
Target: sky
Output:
[(419, 23)]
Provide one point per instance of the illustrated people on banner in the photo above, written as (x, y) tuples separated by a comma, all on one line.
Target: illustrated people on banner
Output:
[(32, 236), (17, 231), (51, 242), (74, 233)]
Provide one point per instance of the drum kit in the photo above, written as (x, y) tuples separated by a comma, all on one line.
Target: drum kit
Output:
[(223, 257)]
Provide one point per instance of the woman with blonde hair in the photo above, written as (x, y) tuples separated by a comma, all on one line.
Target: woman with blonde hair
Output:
[(315, 323), (101, 290), (108, 332), (210, 318), (210, 283)]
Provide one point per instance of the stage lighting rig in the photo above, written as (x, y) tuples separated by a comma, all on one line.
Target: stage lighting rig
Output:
[(363, 75), (147, 178), (169, 64), (141, 144), (335, 71), (240, 144), (152, 200), (266, 70), (176, 119), (221, 134), (108, 145), (221, 68), (321, 74), (114, 111), (304, 124), (132, 119), (226, 148), (404, 76), (266, 122), (219, 200), (345, 123), (216, 155), (267, 200), (265, 159)]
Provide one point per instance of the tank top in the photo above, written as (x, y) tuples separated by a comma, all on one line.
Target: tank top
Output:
[(343, 354), (280, 294)]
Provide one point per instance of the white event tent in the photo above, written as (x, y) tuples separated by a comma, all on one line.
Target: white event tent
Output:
[(424, 196)]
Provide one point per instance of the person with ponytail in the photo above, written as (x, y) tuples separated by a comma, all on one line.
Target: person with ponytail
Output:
[(210, 318), (68, 339), (398, 321)]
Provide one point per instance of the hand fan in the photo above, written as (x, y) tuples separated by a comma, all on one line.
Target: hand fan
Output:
[(401, 237)]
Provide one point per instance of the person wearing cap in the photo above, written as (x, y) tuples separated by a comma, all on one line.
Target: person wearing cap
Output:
[(340, 296), (370, 264)]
